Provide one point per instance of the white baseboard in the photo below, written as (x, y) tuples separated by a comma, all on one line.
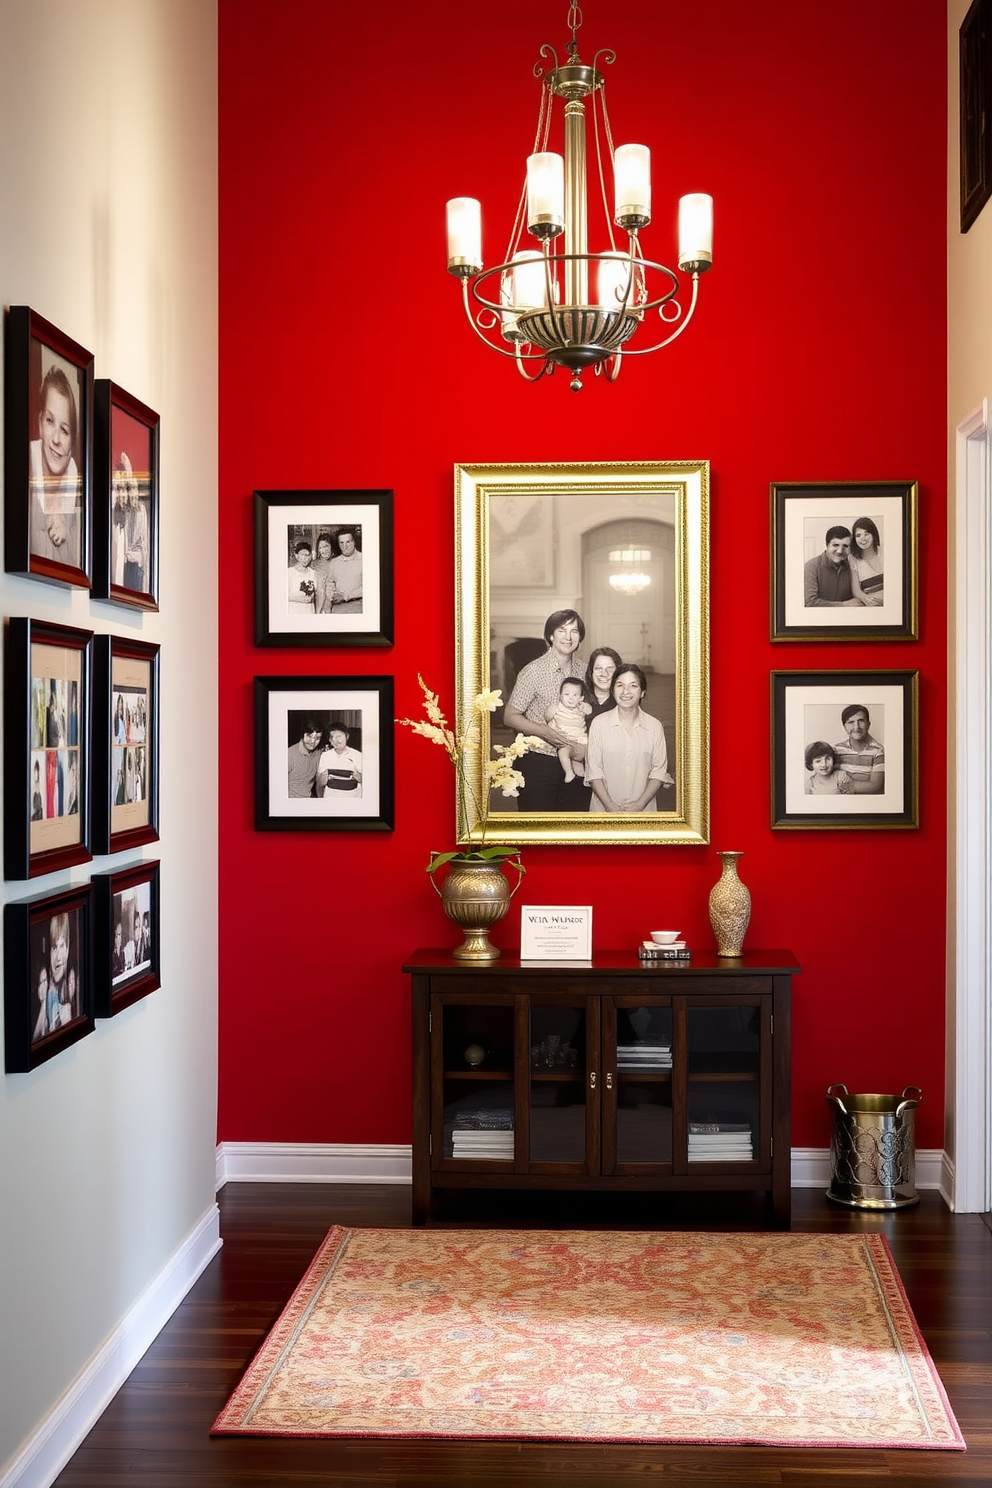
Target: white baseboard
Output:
[(304, 1162), (62, 1431), (301, 1162), (811, 1168)]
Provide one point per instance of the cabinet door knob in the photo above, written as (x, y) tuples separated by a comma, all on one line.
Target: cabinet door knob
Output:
[(609, 1082), (592, 1079)]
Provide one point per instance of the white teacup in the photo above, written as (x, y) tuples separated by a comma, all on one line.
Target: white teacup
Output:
[(665, 937)]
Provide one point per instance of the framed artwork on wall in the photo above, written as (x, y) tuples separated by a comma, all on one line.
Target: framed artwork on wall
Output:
[(125, 743), (126, 937), (48, 451), (974, 100), (844, 561), (323, 568), (324, 754), (844, 749), (566, 571), (126, 498), (48, 982), (46, 747)]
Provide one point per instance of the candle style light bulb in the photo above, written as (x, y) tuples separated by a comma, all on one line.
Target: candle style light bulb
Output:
[(464, 222), (545, 194), (696, 233), (632, 186)]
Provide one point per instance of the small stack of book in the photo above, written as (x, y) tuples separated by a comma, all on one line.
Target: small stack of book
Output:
[(675, 950), (720, 1141), (483, 1134), (644, 1055)]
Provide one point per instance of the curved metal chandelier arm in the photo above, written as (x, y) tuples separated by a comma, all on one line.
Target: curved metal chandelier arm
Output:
[(683, 322), (517, 355)]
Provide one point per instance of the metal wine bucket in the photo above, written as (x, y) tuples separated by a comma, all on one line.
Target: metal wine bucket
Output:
[(873, 1149)]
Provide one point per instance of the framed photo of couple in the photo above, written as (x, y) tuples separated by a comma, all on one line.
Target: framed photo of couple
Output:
[(48, 981), (126, 499), (844, 561), (323, 568), (126, 743), (323, 754), (844, 749), (47, 763), (582, 597), (48, 451), (126, 937)]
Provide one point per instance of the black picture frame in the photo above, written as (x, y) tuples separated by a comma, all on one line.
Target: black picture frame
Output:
[(126, 743), (125, 973), (39, 1022), (125, 498), (882, 791), (882, 514), (47, 703), (974, 98), (285, 519), (48, 406), (359, 707)]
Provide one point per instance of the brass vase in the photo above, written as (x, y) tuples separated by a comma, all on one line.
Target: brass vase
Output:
[(730, 907), (476, 895)]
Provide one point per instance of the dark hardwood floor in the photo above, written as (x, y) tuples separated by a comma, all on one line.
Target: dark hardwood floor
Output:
[(154, 1433)]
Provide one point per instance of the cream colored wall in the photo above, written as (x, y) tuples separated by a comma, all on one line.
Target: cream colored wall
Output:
[(969, 381), (108, 228)]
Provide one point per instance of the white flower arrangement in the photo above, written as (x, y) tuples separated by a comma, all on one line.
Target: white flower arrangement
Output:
[(497, 774)]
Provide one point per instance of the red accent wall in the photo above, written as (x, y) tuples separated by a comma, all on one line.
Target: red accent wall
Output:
[(818, 353)]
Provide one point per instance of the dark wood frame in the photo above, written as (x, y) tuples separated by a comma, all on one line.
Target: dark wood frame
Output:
[(974, 99), (265, 503), (856, 687), (107, 397), (106, 648), (379, 688), (23, 327), (109, 1000), (18, 859), (21, 1054), (859, 497)]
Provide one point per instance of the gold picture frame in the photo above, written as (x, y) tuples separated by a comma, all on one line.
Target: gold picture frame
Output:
[(629, 549)]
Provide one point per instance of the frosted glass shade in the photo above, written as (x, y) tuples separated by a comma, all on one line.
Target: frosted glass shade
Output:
[(545, 194), (632, 185), (696, 229), (464, 222)]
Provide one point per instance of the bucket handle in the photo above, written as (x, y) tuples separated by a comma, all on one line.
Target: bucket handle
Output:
[(909, 1101), (836, 1098)]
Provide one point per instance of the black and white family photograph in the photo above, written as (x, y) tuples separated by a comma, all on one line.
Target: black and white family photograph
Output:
[(48, 396), (845, 561), (591, 631), (126, 937), (844, 749), (323, 567), (47, 996), (55, 747), (323, 753)]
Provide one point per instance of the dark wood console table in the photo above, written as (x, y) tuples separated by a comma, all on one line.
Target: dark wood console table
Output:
[(610, 1074)]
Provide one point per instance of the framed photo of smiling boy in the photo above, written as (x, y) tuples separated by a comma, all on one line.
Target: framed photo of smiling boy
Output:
[(844, 561), (48, 459), (844, 749)]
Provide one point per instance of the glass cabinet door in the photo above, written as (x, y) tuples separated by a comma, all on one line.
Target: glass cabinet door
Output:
[(561, 1041), (473, 1090), (723, 1069), (637, 1114)]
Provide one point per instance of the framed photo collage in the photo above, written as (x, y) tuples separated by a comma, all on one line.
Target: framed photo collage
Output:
[(81, 718)]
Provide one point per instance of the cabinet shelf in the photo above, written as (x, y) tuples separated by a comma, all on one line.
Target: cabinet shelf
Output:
[(478, 1074)]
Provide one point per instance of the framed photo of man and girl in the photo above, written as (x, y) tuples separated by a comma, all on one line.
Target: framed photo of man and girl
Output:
[(81, 469), (582, 598)]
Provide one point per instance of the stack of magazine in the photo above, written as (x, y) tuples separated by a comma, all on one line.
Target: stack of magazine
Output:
[(483, 1133), (720, 1141), (644, 1055)]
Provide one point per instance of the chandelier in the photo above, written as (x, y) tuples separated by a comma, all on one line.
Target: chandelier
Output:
[(629, 579), (538, 300)]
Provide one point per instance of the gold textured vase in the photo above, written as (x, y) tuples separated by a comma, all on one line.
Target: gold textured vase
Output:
[(476, 895), (730, 907)]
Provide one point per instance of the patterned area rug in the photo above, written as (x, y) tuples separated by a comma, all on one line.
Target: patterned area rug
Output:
[(790, 1340)]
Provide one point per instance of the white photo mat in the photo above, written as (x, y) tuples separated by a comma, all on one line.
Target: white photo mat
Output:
[(352, 513), (321, 704)]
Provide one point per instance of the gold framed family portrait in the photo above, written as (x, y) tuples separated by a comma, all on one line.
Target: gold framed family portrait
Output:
[(582, 597)]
